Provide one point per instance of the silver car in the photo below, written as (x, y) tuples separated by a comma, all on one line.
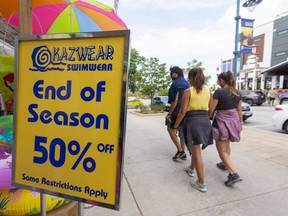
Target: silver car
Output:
[(246, 111), (161, 100)]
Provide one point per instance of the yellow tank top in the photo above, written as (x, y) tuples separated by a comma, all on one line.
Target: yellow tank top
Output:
[(199, 101)]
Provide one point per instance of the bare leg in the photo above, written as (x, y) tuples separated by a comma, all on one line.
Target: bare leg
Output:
[(174, 138), (182, 144), (197, 159), (192, 162), (224, 151)]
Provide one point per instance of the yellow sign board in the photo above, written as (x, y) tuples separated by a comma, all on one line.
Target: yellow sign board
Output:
[(70, 115)]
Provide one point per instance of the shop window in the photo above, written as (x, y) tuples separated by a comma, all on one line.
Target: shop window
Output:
[(285, 31), (280, 53)]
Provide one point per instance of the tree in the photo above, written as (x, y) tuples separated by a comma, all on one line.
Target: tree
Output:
[(154, 77), (207, 78), (134, 74), (192, 64), (195, 63)]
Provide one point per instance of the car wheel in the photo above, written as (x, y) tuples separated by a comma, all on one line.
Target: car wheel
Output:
[(286, 127), (250, 102), (284, 101)]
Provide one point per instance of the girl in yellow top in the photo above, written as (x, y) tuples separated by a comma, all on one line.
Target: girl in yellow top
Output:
[(196, 129)]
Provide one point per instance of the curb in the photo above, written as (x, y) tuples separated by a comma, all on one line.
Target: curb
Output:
[(148, 114)]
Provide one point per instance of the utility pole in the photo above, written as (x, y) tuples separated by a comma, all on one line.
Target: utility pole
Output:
[(236, 52), (25, 17), (116, 3)]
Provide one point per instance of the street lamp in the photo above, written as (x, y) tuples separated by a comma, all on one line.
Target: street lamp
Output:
[(250, 5), (116, 3), (236, 52)]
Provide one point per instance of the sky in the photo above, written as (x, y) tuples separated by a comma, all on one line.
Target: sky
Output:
[(176, 32)]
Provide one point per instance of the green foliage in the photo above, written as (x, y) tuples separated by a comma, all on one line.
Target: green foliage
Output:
[(136, 94), (148, 77), (192, 64), (142, 107), (154, 77), (134, 102), (163, 92), (134, 75), (207, 78), (158, 107)]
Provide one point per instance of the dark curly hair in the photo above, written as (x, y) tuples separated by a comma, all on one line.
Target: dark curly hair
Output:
[(177, 70)]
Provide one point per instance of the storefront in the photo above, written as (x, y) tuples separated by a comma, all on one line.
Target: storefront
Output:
[(251, 79), (278, 75)]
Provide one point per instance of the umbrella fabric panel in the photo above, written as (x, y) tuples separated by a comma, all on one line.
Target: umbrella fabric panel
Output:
[(103, 21), (96, 3), (72, 16), (64, 22), (46, 16), (75, 18), (101, 9), (84, 21), (10, 7)]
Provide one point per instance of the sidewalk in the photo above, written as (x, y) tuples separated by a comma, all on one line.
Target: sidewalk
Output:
[(154, 185)]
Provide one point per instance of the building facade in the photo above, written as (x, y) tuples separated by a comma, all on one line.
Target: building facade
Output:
[(270, 42), (279, 52)]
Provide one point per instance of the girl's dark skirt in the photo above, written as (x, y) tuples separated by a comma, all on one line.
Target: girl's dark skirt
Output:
[(196, 129)]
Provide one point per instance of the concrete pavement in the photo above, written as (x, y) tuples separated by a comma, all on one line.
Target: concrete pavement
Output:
[(154, 185)]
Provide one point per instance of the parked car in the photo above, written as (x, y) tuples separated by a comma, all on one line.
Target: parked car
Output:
[(252, 97), (262, 94), (283, 97), (280, 118), (161, 100), (246, 111)]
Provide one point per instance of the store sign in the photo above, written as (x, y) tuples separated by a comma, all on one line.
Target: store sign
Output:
[(70, 115)]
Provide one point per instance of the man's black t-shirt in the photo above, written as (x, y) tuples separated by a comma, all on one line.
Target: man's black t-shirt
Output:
[(226, 100)]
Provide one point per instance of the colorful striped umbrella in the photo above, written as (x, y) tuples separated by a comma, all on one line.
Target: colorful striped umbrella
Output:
[(65, 16)]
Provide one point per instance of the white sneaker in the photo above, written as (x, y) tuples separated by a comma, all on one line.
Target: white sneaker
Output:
[(190, 172)]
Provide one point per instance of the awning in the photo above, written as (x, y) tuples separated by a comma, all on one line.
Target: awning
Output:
[(277, 70)]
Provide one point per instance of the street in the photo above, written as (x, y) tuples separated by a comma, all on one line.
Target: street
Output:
[(262, 119)]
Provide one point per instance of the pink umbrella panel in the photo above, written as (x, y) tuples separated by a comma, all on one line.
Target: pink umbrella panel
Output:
[(72, 16)]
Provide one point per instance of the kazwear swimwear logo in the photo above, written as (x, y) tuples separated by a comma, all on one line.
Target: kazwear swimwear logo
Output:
[(42, 60), (84, 59)]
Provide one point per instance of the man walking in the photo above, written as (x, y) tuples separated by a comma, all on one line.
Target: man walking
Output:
[(175, 95)]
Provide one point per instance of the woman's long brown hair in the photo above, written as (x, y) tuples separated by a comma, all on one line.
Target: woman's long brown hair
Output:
[(199, 78), (228, 78)]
